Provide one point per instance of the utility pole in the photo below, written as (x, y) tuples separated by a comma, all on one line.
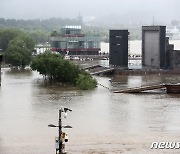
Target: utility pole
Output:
[(60, 132), (62, 136)]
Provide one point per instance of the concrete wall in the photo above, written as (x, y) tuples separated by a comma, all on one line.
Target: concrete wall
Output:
[(175, 59), (154, 47), (151, 46)]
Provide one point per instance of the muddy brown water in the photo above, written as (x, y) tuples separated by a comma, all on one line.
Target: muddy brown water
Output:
[(103, 122)]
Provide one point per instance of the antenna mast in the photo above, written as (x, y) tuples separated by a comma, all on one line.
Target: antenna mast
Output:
[(153, 19)]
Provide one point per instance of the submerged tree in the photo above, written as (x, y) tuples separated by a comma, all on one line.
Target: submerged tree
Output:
[(55, 68), (85, 82)]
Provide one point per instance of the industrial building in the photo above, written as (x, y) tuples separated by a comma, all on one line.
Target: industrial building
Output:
[(172, 56), (118, 48), (154, 47), (156, 51), (175, 59), (72, 41)]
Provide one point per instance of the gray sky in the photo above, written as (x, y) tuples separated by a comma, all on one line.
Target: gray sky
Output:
[(90, 9)]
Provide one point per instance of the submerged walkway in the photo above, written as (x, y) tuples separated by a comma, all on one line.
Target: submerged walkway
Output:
[(98, 69), (140, 89), (102, 71), (170, 88)]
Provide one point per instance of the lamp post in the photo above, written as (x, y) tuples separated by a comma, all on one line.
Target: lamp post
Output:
[(60, 127), (60, 132)]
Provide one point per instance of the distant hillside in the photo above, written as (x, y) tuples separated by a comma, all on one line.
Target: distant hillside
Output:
[(37, 24)]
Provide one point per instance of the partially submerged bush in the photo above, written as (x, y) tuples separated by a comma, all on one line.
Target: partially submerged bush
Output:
[(85, 82)]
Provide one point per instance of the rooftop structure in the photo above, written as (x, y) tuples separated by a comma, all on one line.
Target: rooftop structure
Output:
[(173, 34), (73, 42)]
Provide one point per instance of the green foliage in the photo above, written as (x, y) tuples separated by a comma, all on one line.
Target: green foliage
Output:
[(53, 66), (54, 34), (6, 36), (16, 47), (85, 82), (18, 54), (30, 44), (37, 24), (42, 63), (39, 36), (41, 30)]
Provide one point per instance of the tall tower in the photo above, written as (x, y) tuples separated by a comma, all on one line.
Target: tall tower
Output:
[(154, 46), (80, 19), (118, 48)]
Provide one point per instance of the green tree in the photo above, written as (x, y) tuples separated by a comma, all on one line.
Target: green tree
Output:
[(53, 66), (39, 36), (30, 43), (6, 36), (46, 64), (18, 54), (85, 82)]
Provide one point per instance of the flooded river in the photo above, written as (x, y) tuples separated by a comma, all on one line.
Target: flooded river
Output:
[(103, 122)]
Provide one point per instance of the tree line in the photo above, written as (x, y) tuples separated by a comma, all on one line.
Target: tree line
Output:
[(38, 30), (37, 24)]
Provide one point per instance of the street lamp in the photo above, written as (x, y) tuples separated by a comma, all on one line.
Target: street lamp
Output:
[(60, 127)]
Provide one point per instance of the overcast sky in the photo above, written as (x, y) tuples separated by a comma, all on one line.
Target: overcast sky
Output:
[(42, 9)]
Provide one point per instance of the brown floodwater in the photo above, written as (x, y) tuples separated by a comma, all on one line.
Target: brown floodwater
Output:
[(103, 122)]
